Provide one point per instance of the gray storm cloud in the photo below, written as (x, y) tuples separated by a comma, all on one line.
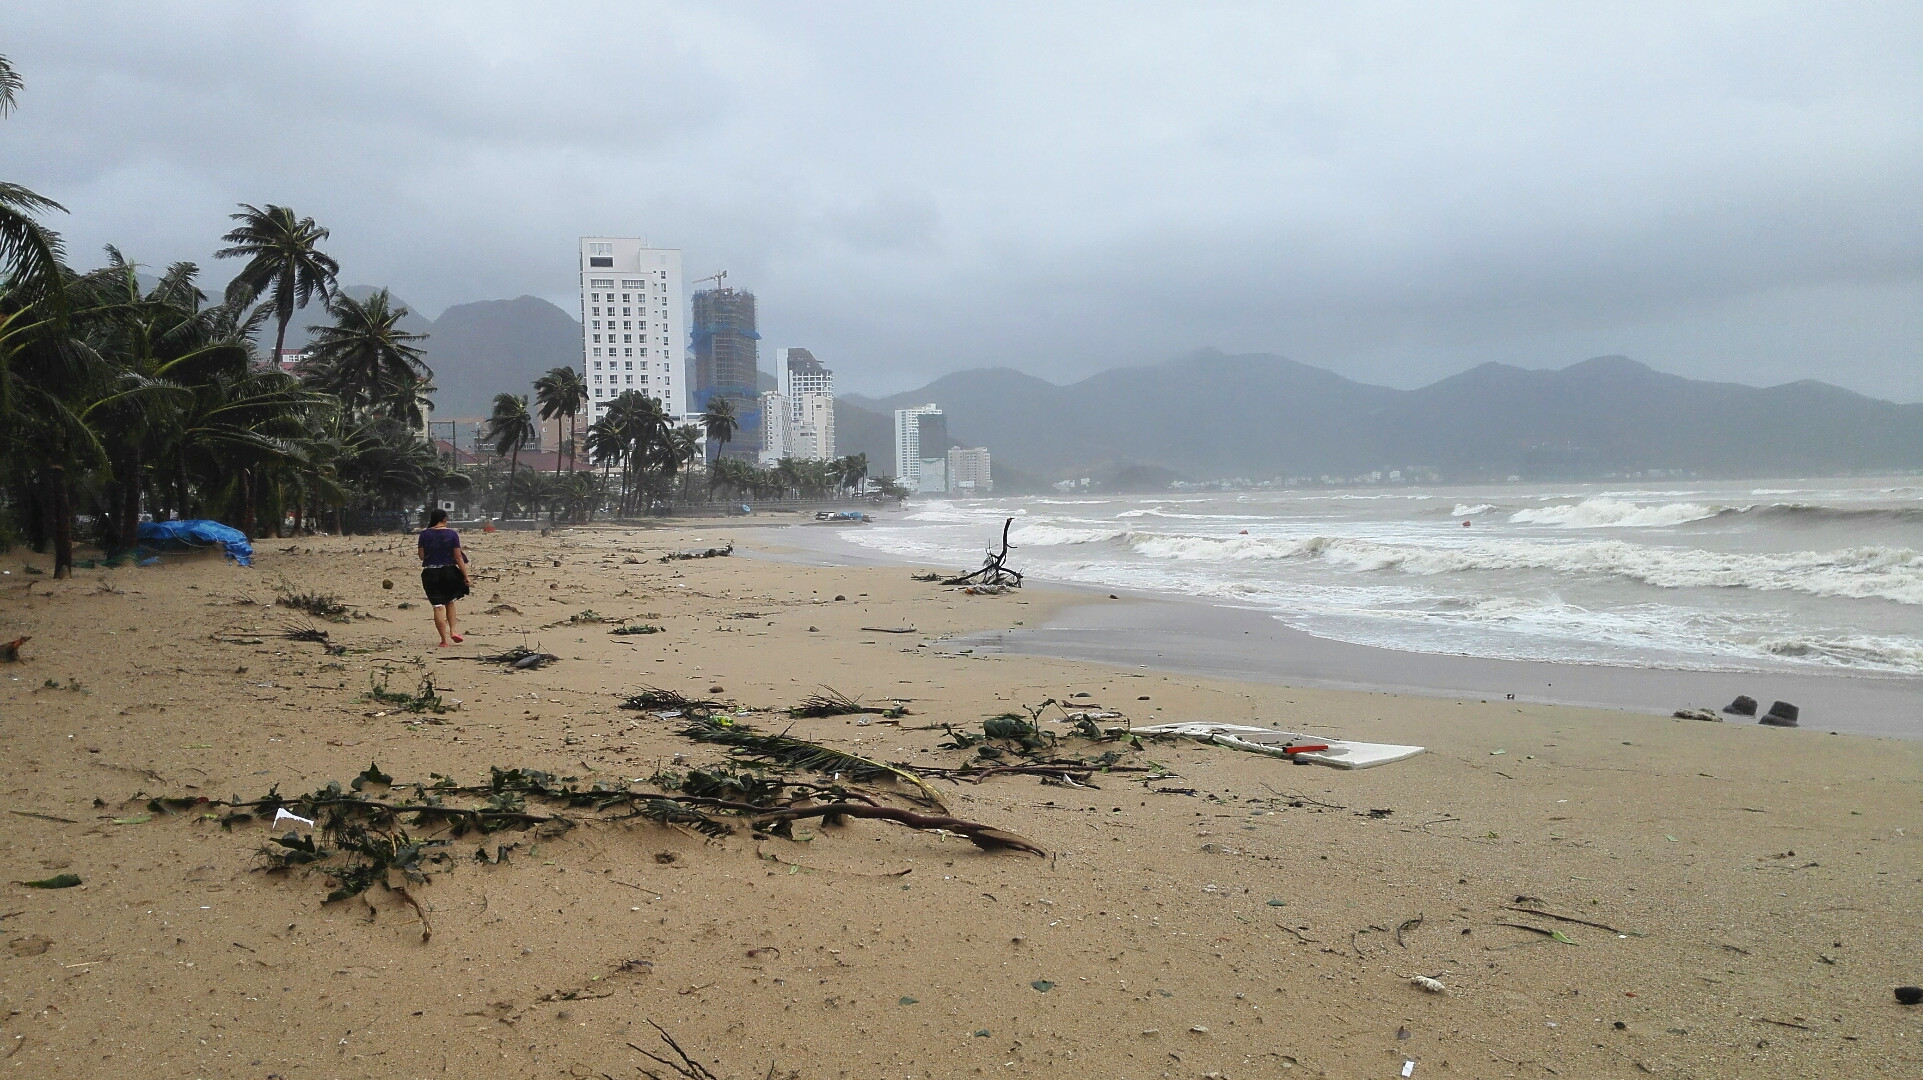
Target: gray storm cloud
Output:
[(1393, 191)]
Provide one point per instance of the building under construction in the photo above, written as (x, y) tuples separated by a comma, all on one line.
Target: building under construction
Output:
[(727, 357)]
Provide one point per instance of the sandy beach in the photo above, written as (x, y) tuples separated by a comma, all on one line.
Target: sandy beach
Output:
[(1721, 899)]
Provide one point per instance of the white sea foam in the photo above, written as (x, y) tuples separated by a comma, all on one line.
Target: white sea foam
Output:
[(1465, 510), (1857, 573), (1604, 513), (1040, 535)]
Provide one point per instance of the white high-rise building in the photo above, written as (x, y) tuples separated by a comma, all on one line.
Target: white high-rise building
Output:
[(814, 432), (777, 439), (908, 443), (633, 321)]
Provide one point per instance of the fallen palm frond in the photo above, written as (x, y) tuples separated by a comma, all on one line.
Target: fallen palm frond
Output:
[(655, 699), (299, 632), (931, 576), (745, 741), (637, 628), (835, 703)]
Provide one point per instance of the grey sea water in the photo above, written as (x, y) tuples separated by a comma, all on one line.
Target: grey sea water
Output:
[(1758, 576)]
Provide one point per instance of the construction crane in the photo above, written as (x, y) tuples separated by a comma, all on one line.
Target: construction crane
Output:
[(718, 277)]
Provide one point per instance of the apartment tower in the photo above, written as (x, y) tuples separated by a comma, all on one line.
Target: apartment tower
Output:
[(631, 320)]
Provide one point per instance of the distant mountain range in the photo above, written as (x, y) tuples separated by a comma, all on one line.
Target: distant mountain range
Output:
[(1211, 416), (479, 350)]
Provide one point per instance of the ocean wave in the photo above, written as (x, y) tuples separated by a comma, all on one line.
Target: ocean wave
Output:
[(1465, 510), (1896, 515), (1862, 573), (1603, 513), (1036, 534), (1855, 651)]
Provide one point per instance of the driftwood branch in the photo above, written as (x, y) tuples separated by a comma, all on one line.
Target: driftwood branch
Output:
[(994, 569), (983, 836)]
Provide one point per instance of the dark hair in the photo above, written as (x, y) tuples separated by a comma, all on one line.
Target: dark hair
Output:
[(436, 517)]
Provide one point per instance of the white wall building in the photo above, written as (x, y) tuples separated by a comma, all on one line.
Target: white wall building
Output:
[(968, 471), (777, 436), (633, 321), (814, 429), (908, 443)]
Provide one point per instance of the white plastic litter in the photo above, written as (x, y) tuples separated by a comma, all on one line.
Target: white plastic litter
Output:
[(281, 815), (1408, 1068), (1341, 754), (1434, 986)]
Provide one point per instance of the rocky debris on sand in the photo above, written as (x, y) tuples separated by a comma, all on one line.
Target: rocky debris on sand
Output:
[(1781, 714), (1744, 705)]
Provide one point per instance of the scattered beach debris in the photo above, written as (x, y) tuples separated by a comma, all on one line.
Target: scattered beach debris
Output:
[(890, 629), (930, 576), (832, 702), (298, 632), (58, 881), (392, 836), (1339, 753), (1697, 714), (1909, 995), (1781, 714), (589, 616), (687, 1068), (744, 741), (636, 628), (10, 650), (1744, 705), (994, 572), (426, 698), (318, 604), (704, 553), (1433, 986), (655, 699), (519, 658), (502, 609)]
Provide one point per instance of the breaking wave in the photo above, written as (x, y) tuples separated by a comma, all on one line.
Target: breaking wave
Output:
[(1861, 573), (1603, 513)]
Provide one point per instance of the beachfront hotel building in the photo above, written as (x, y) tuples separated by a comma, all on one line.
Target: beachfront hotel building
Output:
[(969, 471), (908, 445), (631, 323), (798, 420)]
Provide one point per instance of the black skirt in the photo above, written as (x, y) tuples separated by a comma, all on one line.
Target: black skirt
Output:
[(443, 584)]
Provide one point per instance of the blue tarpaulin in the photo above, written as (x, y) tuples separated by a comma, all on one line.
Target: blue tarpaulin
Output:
[(186, 535)]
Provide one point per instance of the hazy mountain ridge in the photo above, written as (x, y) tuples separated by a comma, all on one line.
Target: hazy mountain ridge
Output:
[(476, 350), (1211, 415)]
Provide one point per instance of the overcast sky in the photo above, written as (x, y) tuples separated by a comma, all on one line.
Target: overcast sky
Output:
[(1396, 192)]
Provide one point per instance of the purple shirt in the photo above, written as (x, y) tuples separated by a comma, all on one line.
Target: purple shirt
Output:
[(437, 547)]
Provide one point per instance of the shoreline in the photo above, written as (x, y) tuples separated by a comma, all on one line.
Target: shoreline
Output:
[(1195, 636)]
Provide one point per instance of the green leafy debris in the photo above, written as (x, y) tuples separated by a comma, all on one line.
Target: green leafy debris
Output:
[(58, 881)]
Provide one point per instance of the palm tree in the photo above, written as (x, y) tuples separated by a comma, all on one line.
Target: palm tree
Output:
[(367, 360), (282, 262), (509, 428), (562, 392), (10, 85), (720, 423)]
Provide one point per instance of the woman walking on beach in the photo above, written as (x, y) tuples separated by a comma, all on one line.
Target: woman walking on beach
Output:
[(443, 574)]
